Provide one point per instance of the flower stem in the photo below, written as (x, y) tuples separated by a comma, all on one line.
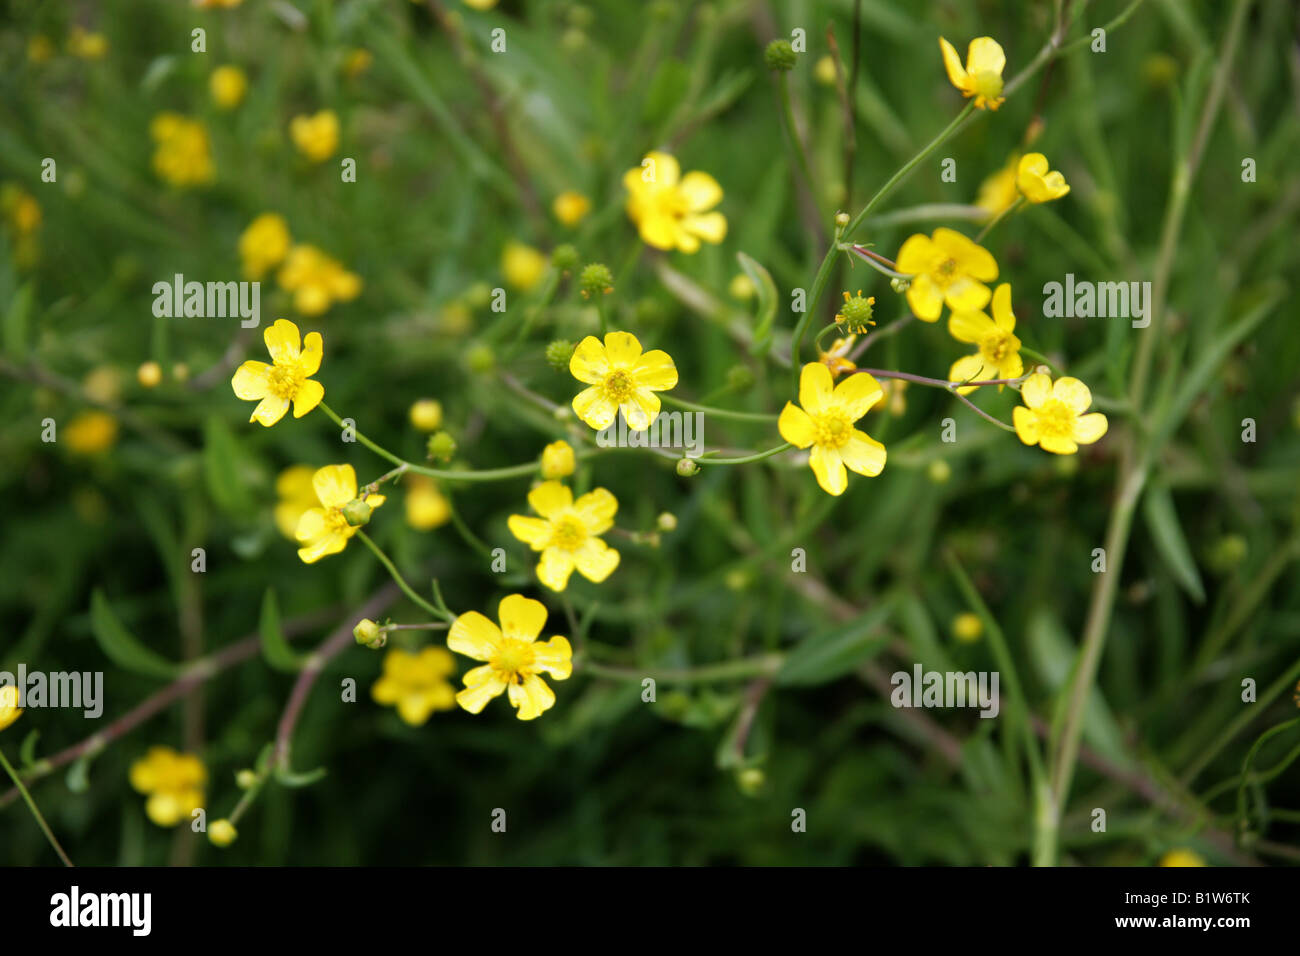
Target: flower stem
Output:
[(1008, 211), (401, 581), (31, 805), (757, 456), (717, 412)]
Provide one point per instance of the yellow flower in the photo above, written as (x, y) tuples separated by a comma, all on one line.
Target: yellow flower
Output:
[(183, 156), (621, 377), (426, 507), (967, 627), (571, 207), (999, 190), (999, 349), (671, 210), (325, 530), (825, 71), (895, 402), (264, 244), (982, 75), (222, 833), (173, 781), (86, 45), (91, 433), (21, 210), (357, 62), (557, 460), (567, 533), (9, 709), (836, 357), (1036, 183), (741, 287), (479, 4), (522, 265), (514, 658), (1053, 415), (227, 84), (826, 423), (316, 280), (1182, 857), (288, 380), (426, 414), (946, 267), (416, 684), (316, 137), (297, 495), (39, 48)]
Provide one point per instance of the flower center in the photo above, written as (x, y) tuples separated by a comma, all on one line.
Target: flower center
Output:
[(1055, 419), (619, 386), (946, 270), (284, 381), (514, 659), (995, 348), (568, 534), (832, 430), (987, 84)]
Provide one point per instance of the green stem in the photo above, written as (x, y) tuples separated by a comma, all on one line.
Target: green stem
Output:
[(796, 145), (1009, 210), (1039, 358), (759, 456), (31, 805), (717, 412), (397, 576)]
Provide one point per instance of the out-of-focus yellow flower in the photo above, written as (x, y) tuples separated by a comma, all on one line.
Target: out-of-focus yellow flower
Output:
[(316, 137), (264, 244), (316, 280), (22, 213), (222, 833), (824, 71), (480, 4), (982, 75), (522, 265), (1182, 857), (356, 62), (999, 190), (671, 211), (416, 684), (325, 530), (183, 156), (557, 460), (1036, 183), (741, 287), (426, 414), (999, 349), (9, 709), (103, 384), (426, 506), (621, 377), (86, 45), (149, 374), (174, 783), (895, 402), (567, 533), (945, 267), (836, 357), (1053, 415), (514, 659), (228, 84), (571, 207), (967, 627), (39, 48), (273, 387), (91, 432), (825, 422), (297, 495), (228, 4)]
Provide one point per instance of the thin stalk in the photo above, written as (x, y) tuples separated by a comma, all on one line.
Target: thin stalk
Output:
[(31, 805)]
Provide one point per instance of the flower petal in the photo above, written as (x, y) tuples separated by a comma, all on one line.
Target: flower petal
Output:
[(952, 64), (532, 698), (282, 341), (593, 407), (549, 498), (856, 394), (1073, 393), (335, 485), (1035, 390), (521, 617), (815, 387), (313, 350), (554, 568), (596, 509), (972, 259), (307, 397), (965, 294), (1058, 445), (595, 560), (863, 454), (829, 469), (534, 532), (917, 255), (1088, 428), (1026, 422), (474, 635), (622, 349), (251, 380), (925, 298), (700, 190), (1003, 317), (475, 698), (662, 171), (710, 226), (655, 370), (796, 426), (554, 656), (970, 326), (969, 368), (270, 410), (641, 411), (984, 55), (589, 363), (330, 543)]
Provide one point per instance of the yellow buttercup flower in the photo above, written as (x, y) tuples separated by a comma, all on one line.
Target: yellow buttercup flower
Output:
[(1036, 183), (9, 709), (416, 684), (227, 84), (325, 530), (273, 387), (571, 207), (999, 190), (557, 460), (183, 156), (522, 265), (316, 137), (264, 244), (316, 280), (982, 75), (999, 349), (173, 782), (567, 533), (825, 422), (1053, 415), (514, 659), (91, 432), (945, 267), (671, 211), (621, 377), (1182, 857), (836, 357), (86, 45), (297, 495), (426, 507)]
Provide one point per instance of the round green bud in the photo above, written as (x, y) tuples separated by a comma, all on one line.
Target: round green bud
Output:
[(478, 296), (686, 467), (841, 219), (750, 781), (1228, 552), (441, 446), (558, 354), (740, 378), (356, 512), (366, 631), (667, 521), (596, 279), (939, 471), (779, 55), (481, 359), (246, 779), (856, 312), (565, 258)]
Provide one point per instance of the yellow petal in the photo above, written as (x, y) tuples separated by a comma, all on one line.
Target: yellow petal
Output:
[(1026, 423), (917, 255), (863, 454), (592, 406), (924, 298), (589, 363), (386, 690), (984, 55), (700, 191), (1088, 428), (521, 617), (1035, 390), (307, 397), (475, 698), (330, 543), (966, 295), (270, 410), (642, 410), (313, 349), (856, 394), (554, 656), (970, 326), (534, 532), (796, 426), (815, 387), (972, 259), (1003, 317), (952, 64), (969, 368), (829, 469), (550, 497), (658, 229), (655, 370), (597, 509), (1058, 445), (414, 708), (711, 226), (554, 568), (532, 698), (595, 560), (282, 341), (251, 380), (1073, 393), (662, 171), (1013, 366), (335, 485), (474, 635), (622, 349)]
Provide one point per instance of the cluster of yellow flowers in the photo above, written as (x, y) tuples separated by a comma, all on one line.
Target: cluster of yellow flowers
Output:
[(316, 280), (183, 155)]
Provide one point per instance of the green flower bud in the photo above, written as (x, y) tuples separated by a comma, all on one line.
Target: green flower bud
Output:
[(356, 512), (558, 354), (855, 314), (596, 279), (740, 378), (686, 467), (481, 359), (441, 446), (666, 521), (246, 779), (900, 285), (565, 258), (750, 781), (366, 631), (478, 295), (779, 55)]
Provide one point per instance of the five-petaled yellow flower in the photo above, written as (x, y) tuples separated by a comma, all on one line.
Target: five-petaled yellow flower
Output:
[(9, 709), (999, 349), (173, 781), (982, 75), (316, 280), (514, 658), (825, 422), (671, 211), (1036, 183), (325, 530), (288, 380), (567, 533), (946, 267), (1053, 415), (621, 377), (416, 684), (296, 495)]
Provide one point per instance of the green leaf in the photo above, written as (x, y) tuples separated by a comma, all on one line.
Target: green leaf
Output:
[(667, 89), (221, 457), (294, 780), (121, 646), (834, 652), (78, 776), (765, 309), (17, 319), (275, 646), (27, 752), (1167, 532)]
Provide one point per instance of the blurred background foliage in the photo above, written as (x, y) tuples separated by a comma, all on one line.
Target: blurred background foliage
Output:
[(1208, 591)]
